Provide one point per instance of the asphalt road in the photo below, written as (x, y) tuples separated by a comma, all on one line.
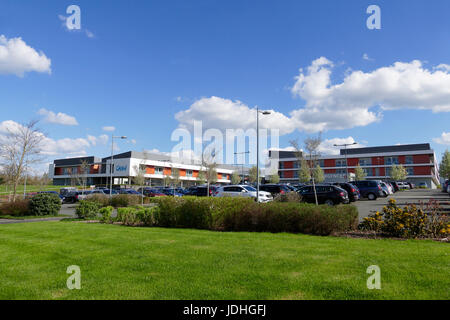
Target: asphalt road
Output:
[(415, 196)]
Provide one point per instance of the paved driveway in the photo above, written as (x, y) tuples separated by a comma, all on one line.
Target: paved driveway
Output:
[(414, 196)]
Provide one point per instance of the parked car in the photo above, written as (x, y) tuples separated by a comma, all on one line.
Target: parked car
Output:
[(64, 191), (275, 189), (448, 188), (386, 190), (394, 185), (370, 189), (243, 191), (71, 197), (129, 191), (411, 185), (445, 185), (326, 194), (352, 190), (199, 191), (150, 192), (171, 192), (403, 185)]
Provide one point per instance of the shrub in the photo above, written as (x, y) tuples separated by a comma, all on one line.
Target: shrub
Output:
[(102, 199), (244, 214), (45, 204), (125, 200), (408, 222), (106, 213), (137, 216), (88, 209), (17, 208)]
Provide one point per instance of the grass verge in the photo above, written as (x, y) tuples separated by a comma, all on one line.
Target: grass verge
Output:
[(120, 262)]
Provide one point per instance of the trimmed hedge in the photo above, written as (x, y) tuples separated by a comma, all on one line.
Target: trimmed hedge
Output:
[(138, 216), (88, 209), (15, 208), (244, 214), (44, 204)]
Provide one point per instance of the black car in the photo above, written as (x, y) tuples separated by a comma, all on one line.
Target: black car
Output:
[(352, 190), (326, 194), (199, 191), (71, 197), (275, 189)]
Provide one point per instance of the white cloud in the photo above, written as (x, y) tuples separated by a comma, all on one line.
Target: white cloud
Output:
[(109, 128), (16, 57), (220, 113), (350, 103), (327, 146), (443, 66), (58, 118), (443, 139)]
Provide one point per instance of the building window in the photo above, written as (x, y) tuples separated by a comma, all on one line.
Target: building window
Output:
[(388, 172), (281, 165), (340, 163), (391, 160), (159, 170), (189, 173), (368, 171), (296, 174), (341, 171), (408, 160), (365, 162), (377, 172), (410, 171), (296, 165), (321, 163), (281, 173)]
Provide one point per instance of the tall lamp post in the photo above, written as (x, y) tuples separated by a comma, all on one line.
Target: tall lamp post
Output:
[(111, 164), (257, 149), (242, 164), (345, 145)]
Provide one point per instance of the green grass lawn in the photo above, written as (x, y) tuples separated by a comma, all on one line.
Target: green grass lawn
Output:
[(153, 263), (30, 188)]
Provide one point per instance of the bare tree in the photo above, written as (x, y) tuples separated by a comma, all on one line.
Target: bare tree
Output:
[(312, 146), (209, 166), (80, 175), (20, 147)]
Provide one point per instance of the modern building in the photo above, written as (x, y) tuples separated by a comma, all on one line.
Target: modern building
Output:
[(419, 161), (157, 169)]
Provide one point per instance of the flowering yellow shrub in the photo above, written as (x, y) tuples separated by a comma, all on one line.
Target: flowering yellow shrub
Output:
[(409, 222)]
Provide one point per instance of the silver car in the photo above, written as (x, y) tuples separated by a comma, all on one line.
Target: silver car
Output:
[(242, 191)]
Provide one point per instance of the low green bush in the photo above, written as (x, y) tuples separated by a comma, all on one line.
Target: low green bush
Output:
[(137, 216), (102, 199), (88, 209), (15, 208), (105, 214), (44, 204), (244, 214), (125, 200), (288, 197)]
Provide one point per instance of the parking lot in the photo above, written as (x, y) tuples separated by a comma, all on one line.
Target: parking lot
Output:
[(415, 196)]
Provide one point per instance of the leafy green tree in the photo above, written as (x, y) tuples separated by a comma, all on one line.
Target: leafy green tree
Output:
[(235, 178), (398, 172), (360, 174), (304, 174), (444, 166), (176, 176), (318, 174), (274, 178), (252, 175)]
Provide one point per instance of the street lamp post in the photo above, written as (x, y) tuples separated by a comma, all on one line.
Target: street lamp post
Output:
[(257, 149), (345, 145), (242, 164), (111, 164)]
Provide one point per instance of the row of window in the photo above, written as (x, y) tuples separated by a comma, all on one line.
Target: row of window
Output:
[(368, 171), (363, 162)]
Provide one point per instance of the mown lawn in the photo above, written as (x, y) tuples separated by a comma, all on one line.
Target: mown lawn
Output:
[(153, 263)]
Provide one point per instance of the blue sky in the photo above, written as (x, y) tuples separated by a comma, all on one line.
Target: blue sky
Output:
[(148, 60)]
